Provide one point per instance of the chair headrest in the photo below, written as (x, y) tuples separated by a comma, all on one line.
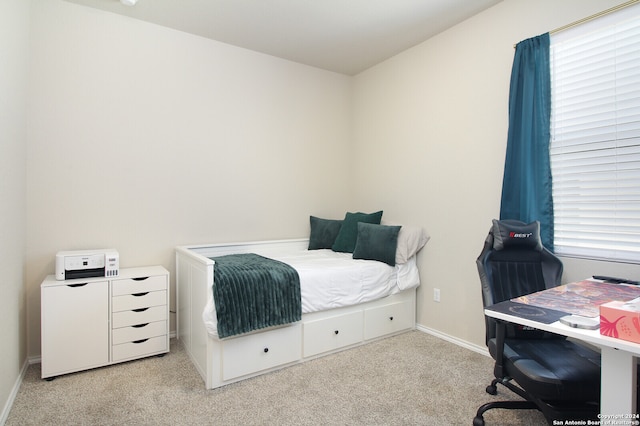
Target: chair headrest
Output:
[(516, 234)]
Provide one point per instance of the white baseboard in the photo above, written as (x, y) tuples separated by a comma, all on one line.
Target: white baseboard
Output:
[(4, 415), (471, 346)]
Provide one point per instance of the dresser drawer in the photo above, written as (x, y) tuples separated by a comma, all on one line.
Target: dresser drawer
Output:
[(257, 352), (138, 285), (139, 348), (388, 319), (138, 332), (332, 333), (138, 316), (129, 302)]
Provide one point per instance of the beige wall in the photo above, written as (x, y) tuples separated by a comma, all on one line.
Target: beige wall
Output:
[(14, 48), (143, 138), (430, 131)]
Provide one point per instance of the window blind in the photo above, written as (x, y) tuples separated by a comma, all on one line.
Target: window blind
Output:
[(595, 138)]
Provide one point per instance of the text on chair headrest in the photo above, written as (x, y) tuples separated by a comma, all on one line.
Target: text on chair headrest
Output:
[(516, 234)]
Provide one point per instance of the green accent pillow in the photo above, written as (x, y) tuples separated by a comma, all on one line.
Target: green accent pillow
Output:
[(323, 232), (377, 242), (346, 239)]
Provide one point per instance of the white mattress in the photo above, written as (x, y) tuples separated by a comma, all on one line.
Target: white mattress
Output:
[(331, 280)]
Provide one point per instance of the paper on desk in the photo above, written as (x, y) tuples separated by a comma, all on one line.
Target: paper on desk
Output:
[(580, 298)]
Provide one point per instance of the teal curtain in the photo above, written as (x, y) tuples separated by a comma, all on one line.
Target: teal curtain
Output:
[(526, 186)]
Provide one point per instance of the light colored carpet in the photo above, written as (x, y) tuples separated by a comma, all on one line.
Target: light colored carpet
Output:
[(410, 379)]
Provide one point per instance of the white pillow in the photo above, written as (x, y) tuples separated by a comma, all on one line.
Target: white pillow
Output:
[(410, 240)]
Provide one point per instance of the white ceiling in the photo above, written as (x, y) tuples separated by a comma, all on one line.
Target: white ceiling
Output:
[(345, 36)]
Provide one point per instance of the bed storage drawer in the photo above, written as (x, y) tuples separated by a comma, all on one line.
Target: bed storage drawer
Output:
[(387, 319), (332, 333), (139, 348), (261, 351), (146, 299)]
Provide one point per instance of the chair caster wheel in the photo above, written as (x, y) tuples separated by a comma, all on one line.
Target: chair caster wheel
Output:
[(478, 421), (492, 390)]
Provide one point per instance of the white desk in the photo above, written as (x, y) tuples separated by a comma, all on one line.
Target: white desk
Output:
[(618, 371)]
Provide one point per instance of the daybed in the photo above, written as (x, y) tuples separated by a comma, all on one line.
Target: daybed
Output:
[(346, 301)]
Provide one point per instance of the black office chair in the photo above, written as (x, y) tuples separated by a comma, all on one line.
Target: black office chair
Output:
[(552, 374)]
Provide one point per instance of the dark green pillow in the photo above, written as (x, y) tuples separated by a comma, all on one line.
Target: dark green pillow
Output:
[(346, 239), (377, 242), (323, 232)]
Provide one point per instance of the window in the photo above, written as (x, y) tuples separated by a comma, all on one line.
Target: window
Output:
[(595, 138)]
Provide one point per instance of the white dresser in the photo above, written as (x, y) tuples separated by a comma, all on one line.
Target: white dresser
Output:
[(93, 322)]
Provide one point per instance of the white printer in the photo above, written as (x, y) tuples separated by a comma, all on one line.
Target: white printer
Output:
[(87, 264)]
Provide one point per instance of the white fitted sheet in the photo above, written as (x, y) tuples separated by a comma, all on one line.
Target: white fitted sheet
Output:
[(331, 280)]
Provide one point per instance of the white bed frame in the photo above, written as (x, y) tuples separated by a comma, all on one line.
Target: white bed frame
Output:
[(224, 361)]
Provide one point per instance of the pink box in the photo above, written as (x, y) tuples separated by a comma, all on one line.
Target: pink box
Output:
[(621, 320)]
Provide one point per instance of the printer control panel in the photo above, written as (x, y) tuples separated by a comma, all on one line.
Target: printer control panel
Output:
[(84, 262)]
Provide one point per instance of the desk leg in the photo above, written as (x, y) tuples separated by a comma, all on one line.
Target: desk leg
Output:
[(618, 382)]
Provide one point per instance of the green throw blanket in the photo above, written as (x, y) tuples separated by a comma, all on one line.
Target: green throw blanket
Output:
[(253, 292)]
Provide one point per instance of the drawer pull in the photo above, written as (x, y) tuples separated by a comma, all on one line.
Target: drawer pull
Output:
[(140, 294), (266, 350), (139, 341), (337, 331), (76, 285), (140, 310), (140, 325), (390, 318), (140, 278)]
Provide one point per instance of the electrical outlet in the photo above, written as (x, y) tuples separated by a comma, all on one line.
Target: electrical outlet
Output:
[(436, 294)]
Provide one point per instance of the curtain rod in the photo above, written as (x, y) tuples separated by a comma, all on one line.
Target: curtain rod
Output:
[(595, 16), (592, 17)]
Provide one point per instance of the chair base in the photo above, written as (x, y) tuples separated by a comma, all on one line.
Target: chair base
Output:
[(478, 420), (552, 410)]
